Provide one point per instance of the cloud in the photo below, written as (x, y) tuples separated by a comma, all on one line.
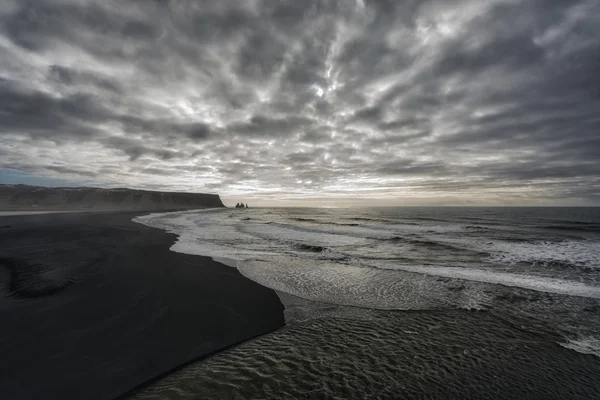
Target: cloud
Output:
[(486, 102), (260, 125)]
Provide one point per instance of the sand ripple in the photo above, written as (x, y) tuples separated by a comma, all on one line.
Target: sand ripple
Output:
[(388, 354)]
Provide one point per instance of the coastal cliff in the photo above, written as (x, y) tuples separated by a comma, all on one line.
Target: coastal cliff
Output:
[(24, 197)]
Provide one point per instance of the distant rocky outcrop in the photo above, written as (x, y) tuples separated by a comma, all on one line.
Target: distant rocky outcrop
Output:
[(24, 197)]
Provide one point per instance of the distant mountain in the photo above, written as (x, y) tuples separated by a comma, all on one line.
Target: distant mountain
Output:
[(24, 197)]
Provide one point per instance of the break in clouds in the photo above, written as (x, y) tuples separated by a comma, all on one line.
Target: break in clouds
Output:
[(420, 102)]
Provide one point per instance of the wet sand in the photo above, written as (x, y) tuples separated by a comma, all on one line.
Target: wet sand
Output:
[(93, 305), (369, 354)]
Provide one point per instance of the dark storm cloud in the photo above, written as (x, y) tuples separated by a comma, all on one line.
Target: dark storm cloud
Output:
[(72, 77), (136, 148), (314, 98), (369, 114), (38, 113), (78, 116), (267, 126)]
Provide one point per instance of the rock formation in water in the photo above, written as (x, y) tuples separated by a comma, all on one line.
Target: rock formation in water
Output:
[(24, 197)]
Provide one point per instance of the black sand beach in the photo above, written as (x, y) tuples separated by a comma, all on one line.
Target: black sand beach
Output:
[(442, 354), (94, 305)]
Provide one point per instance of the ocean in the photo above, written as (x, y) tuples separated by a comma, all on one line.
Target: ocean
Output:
[(354, 274)]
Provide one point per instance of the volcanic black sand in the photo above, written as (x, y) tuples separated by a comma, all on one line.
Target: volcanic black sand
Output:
[(93, 305), (450, 354)]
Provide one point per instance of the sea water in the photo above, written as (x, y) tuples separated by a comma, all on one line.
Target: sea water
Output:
[(542, 264)]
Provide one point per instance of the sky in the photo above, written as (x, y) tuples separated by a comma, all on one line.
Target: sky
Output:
[(349, 102)]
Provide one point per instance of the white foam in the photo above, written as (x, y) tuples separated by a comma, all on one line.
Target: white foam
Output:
[(585, 345), (331, 282), (425, 228), (385, 231), (538, 283), (584, 253), (275, 232), (210, 233)]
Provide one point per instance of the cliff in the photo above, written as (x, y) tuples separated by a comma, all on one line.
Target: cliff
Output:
[(23, 197)]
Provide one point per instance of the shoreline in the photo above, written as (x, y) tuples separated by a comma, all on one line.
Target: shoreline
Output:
[(434, 354), (105, 299)]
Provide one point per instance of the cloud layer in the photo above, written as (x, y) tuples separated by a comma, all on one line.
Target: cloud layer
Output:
[(433, 102)]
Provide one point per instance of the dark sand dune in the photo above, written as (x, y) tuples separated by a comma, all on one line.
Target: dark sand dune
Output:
[(24, 197), (93, 305)]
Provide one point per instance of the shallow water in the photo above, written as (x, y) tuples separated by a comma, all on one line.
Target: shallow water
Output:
[(379, 354)]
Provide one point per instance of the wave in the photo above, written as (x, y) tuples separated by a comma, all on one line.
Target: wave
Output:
[(571, 222), (384, 220), (562, 265), (593, 228), (415, 240), (514, 239), (389, 239), (566, 253), (309, 247), (428, 219), (584, 345), (300, 219), (538, 283), (478, 228)]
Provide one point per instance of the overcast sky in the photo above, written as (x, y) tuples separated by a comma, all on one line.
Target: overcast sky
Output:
[(322, 102)]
